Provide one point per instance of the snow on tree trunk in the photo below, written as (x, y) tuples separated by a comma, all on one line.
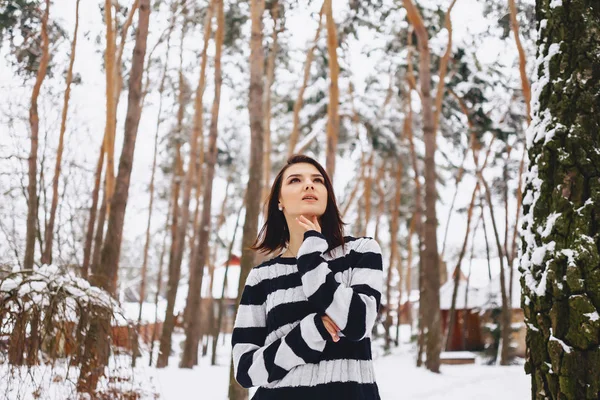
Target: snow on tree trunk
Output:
[(559, 260)]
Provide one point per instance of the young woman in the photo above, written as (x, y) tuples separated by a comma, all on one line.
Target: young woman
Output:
[(303, 326)]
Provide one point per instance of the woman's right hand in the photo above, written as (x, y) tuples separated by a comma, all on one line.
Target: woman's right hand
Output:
[(331, 327)]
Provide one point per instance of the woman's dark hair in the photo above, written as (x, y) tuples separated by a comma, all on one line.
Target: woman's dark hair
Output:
[(274, 234)]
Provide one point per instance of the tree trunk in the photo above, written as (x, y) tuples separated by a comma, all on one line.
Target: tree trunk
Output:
[(333, 120), (97, 251), (111, 107), (49, 233), (178, 238), (89, 236), (34, 123), (394, 253), (559, 236), (431, 273), (159, 281), (300, 99), (144, 271), (367, 198), (173, 279), (192, 331), (506, 308), (267, 106), (254, 188), (193, 176), (106, 277)]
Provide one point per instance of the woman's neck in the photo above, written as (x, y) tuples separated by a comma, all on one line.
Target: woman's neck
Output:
[(296, 237)]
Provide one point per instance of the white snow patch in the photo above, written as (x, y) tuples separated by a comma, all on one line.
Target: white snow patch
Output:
[(565, 347), (549, 225), (593, 316), (555, 3)]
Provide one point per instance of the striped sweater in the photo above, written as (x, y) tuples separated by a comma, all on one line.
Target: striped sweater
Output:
[(279, 340)]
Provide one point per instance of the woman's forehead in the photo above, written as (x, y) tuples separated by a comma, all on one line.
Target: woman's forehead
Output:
[(301, 169)]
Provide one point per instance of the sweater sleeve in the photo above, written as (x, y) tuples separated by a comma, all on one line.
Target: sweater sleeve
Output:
[(257, 364), (352, 307)]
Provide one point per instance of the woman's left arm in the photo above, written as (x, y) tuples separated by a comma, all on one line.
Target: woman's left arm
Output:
[(353, 308)]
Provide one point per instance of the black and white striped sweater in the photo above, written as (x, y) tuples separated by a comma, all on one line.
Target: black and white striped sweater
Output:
[(279, 340)]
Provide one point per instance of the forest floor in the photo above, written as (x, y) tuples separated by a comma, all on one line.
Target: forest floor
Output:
[(396, 374)]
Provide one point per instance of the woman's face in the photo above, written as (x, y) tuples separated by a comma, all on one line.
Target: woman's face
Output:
[(303, 191)]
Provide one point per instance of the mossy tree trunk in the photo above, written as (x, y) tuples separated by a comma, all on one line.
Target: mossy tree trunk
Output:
[(560, 259)]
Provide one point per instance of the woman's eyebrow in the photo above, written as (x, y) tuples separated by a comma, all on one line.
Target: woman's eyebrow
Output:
[(313, 175)]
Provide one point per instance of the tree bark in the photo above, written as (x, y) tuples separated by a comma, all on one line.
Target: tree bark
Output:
[(49, 233), (178, 238), (89, 236), (431, 260), (111, 107), (34, 123), (268, 90), (144, 271), (193, 174), (192, 331), (106, 277), (254, 188), (559, 235), (367, 197), (220, 302), (333, 117), (394, 253), (159, 282)]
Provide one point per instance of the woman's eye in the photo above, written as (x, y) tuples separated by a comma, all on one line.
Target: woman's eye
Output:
[(294, 179), (319, 180)]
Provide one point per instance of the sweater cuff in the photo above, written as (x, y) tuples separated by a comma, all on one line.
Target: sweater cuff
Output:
[(321, 328), (313, 242)]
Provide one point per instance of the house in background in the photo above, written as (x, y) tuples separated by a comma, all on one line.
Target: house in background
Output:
[(474, 312)]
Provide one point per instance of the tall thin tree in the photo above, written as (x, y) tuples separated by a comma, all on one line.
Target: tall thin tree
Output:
[(106, 278), (49, 233), (190, 349), (254, 188), (34, 124)]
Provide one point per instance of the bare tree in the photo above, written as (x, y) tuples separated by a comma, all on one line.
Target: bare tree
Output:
[(178, 245), (192, 331), (431, 301), (254, 189), (268, 89), (49, 233), (34, 123), (106, 278)]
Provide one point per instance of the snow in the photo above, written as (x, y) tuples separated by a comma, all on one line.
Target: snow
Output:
[(549, 225), (565, 347), (593, 316), (396, 375), (556, 3)]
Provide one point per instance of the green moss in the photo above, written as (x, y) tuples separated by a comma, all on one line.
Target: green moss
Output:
[(582, 332), (575, 280)]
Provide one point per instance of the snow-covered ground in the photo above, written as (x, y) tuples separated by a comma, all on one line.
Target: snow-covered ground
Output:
[(396, 373), (397, 377)]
